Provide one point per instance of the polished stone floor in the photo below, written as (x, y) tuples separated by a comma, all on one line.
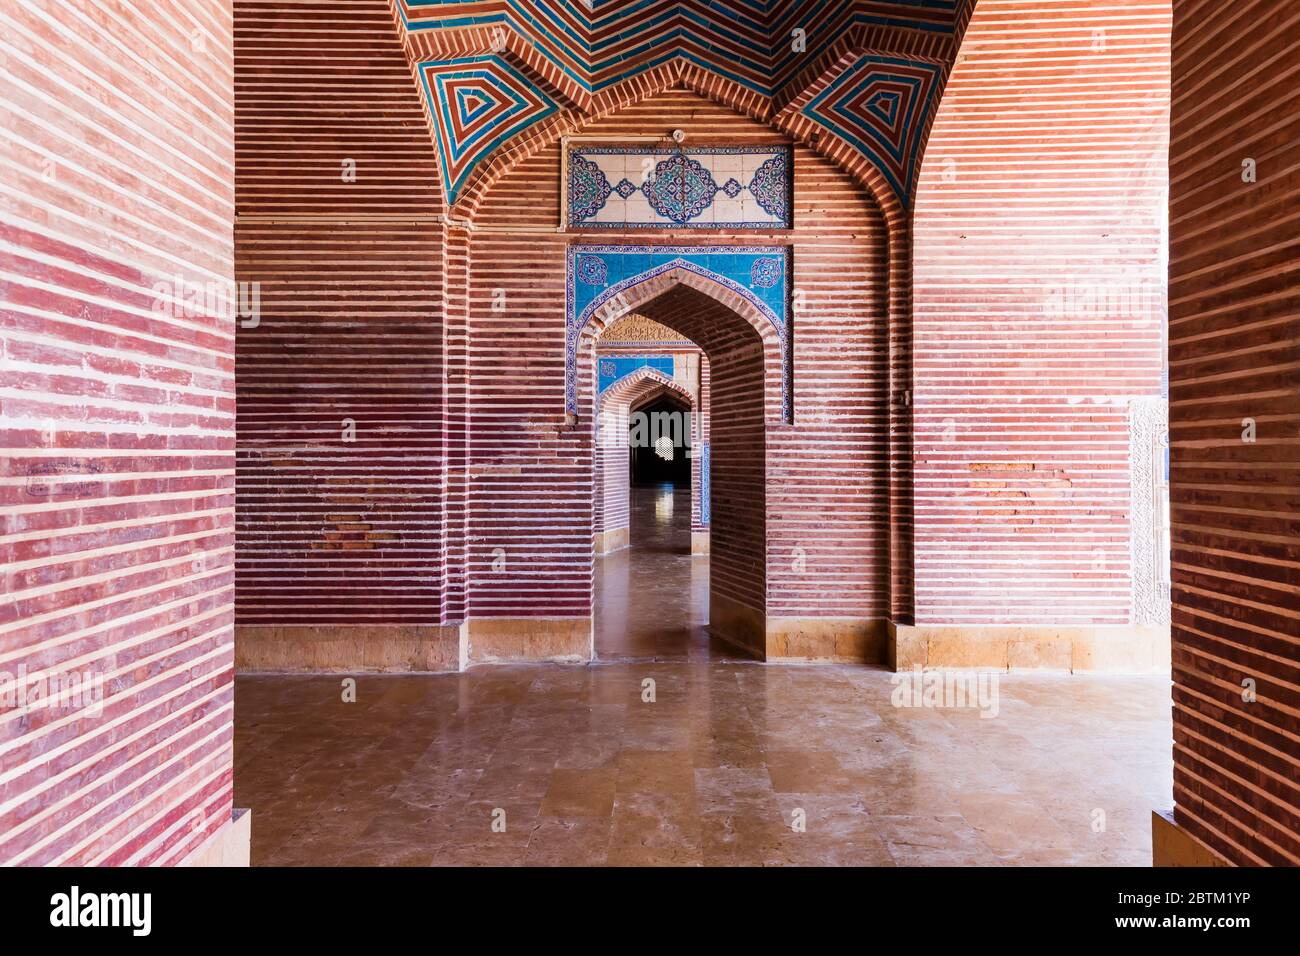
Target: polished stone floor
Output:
[(652, 599), (667, 752)]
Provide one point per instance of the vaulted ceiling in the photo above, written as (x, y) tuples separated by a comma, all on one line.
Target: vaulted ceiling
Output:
[(859, 80)]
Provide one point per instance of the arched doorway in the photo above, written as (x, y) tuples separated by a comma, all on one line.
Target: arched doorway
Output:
[(660, 431), (824, 572), (744, 352), (629, 423)]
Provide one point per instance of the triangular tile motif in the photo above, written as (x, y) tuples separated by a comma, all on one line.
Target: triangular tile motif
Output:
[(477, 103), (885, 105), (596, 44), (879, 106), (471, 101)]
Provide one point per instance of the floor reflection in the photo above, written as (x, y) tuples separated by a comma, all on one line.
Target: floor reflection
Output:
[(712, 772), (712, 769), (652, 598)]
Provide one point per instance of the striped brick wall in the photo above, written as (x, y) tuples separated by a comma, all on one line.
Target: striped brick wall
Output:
[(530, 487), (117, 426), (340, 426), (1038, 311), (343, 434), (741, 417), (828, 474), (1233, 337)]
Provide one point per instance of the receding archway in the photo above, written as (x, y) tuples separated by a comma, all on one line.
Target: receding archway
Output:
[(743, 348), (612, 466)]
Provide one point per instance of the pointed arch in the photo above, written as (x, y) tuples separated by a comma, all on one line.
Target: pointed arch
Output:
[(626, 295), (641, 384), (632, 293)]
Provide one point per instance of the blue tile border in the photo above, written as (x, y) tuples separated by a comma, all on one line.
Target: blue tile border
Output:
[(704, 463), (760, 274), (615, 368)]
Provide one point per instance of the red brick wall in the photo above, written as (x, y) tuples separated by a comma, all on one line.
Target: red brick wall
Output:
[(354, 277), (743, 410), (1038, 310), (1233, 336), (117, 426)]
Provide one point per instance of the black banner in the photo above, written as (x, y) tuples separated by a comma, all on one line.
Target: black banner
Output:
[(334, 906)]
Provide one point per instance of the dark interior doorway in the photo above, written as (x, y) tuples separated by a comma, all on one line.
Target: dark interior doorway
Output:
[(660, 434)]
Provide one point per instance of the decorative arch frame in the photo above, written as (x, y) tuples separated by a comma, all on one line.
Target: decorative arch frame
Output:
[(722, 90), (768, 269), (782, 109)]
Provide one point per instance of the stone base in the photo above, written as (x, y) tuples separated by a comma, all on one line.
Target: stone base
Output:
[(841, 640), (699, 542), (738, 625), (347, 648), (229, 846), (516, 640), (615, 539), (846, 640), (1171, 845), (1117, 650)]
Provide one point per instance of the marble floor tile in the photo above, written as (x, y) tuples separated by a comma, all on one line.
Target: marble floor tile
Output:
[(735, 763)]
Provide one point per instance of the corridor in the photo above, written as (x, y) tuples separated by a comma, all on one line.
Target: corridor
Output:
[(650, 433), (652, 598)]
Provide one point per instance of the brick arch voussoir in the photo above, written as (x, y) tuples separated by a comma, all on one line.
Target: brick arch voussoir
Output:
[(663, 391), (641, 385), (641, 293), (767, 345)]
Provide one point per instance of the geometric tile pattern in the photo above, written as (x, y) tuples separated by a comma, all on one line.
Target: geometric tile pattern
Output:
[(599, 44), (477, 103), (733, 187), (879, 105), (616, 367), (768, 55)]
